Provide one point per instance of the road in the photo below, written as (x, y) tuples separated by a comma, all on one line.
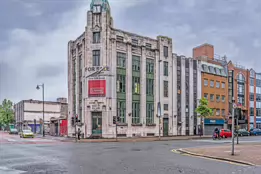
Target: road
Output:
[(53, 156)]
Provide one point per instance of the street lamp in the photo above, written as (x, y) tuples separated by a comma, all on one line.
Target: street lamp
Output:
[(38, 88)]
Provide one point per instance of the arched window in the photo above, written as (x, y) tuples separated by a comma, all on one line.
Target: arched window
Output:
[(240, 77)]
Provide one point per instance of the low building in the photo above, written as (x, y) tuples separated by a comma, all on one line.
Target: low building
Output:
[(29, 113)]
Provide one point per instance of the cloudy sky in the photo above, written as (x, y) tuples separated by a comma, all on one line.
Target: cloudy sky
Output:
[(34, 35)]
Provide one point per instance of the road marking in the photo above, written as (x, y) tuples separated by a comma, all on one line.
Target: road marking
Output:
[(11, 140), (185, 154)]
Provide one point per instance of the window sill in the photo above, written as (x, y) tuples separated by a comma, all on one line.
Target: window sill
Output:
[(122, 124), (136, 124), (151, 124)]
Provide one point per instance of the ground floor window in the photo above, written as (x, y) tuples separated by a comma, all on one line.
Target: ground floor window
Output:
[(135, 112), (121, 111)]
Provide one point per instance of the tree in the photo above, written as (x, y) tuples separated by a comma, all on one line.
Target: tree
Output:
[(6, 112), (204, 111)]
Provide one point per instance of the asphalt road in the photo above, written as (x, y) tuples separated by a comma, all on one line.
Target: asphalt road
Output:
[(53, 157)]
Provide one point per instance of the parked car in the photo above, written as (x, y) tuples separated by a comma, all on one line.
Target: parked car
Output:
[(27, 134), (225, 133), (255, 131), (13, 131), (243, 132)]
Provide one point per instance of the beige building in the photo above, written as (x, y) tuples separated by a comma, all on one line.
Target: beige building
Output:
[(114, 73), (30, 113)]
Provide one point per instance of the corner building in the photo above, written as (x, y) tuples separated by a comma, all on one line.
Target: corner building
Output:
[(116, 73)]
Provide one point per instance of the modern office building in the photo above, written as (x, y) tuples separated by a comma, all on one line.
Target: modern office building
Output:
[(115, 73), (214, 86)]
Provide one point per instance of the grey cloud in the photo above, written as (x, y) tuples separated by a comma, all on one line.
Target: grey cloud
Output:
[(49, 71)]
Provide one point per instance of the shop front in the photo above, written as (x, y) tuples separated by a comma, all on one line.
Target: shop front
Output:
[(211, 124)]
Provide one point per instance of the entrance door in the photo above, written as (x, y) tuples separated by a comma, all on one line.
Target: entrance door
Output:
[(165, 127), (97, 123)]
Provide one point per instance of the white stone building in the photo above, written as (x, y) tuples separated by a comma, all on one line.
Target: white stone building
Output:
[(135, 73), (30, 113)]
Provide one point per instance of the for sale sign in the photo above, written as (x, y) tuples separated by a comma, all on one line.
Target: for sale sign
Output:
[(97, 88)]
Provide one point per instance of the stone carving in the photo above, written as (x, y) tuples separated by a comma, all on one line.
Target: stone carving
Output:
[(150, 53), (136, 49), (121, 46), (97, 28)]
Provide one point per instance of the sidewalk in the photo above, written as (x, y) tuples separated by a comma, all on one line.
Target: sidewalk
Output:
[(144, 139), (248, 154)]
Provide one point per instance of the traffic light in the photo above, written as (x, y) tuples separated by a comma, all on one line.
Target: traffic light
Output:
[(114, 119), (72, 120), (118, 119), (76, 119)]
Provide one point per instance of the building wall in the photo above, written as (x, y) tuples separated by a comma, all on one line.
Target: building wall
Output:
[(204, 50)]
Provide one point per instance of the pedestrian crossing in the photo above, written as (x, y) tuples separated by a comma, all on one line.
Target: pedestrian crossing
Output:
[(19, 159)]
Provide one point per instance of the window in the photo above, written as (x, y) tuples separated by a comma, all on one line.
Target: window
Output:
[(212, 83), (149, 65), (258, 76), (258, 104), (223, 98), (252, 81), (166, 86), (211, 69), (136, 63), (150, 87), (241, 89), (240, 78), (136, 85), (135, 42), (217, 84), (205, 68), (251, 111), (223, 73), (206, 96), (166, 107), (121, 83), (211, 97), (96, 9), (223, 112), (166, 51), (223, 85), (121, 60), (218, 112), (149, 113), (258, 90), (121, 111), (218, 98), (96, 58), (119, 38), (148, 45), (205, 82), (252, 89), (166, 68), (218, 71), (258, 112), (252, 97), (135, 112), (96, 37)]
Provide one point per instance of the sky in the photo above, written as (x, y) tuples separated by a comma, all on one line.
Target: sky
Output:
[(34, 35)]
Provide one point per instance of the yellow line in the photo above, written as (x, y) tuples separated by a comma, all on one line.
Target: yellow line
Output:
[(184, 154)]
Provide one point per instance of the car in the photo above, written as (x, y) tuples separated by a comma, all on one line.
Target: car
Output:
[(255, 131), (13, 131), (225, 133), (26, 134), (243, 132)]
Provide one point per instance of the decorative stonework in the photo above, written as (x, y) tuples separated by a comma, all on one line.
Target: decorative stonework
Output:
[(150, 53), (121, 46), (136, 49)]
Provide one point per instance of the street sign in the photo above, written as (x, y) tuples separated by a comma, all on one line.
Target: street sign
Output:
[(159, 109)]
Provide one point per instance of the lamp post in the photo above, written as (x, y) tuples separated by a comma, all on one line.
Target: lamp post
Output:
[(159, 103), (38, 87)]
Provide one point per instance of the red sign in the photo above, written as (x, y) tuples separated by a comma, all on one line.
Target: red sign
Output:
[(97, 88)]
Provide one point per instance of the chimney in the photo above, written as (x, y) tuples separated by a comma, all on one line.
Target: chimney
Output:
[(205, 50)]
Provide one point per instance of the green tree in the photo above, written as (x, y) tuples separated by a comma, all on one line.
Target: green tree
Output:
[(6, 112), (204, 111)]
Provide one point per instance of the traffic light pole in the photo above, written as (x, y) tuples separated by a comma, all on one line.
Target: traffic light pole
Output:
[(75, 129), (233, 128), (116, 131)]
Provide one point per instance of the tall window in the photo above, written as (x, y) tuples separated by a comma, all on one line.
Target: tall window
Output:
[(121, 60), (149, 65), (135, 112), (166, 51), (166, 89), (121, 83), (212, 83), (150, 113), (223, 85), (96, 58), (135, 85), (136, 63), (150, 87), (121, 111), (166, 68), (205, 82), (217, 84), (96, 37)]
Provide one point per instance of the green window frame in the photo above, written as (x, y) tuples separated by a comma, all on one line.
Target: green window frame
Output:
[(166, 68), (121, 59), (135, 85), (121, 83), (135, 63), (149, 66), (150, 87), (121, 111), (150, 113), (135, 112)]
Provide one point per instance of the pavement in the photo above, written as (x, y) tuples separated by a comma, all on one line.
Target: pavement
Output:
[(248, 154), (155, 157)]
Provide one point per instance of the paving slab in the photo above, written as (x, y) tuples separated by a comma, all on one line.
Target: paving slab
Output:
[(244, 153)]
